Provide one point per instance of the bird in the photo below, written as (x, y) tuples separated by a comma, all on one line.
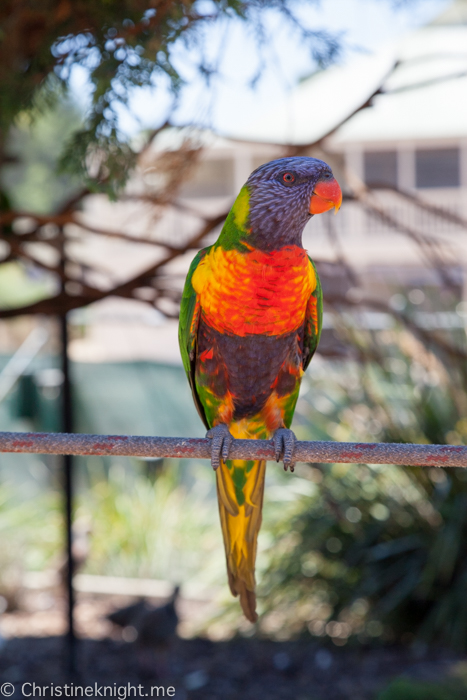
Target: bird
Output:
[(250, 322), (154, 627), (158, 626), (130, 615)]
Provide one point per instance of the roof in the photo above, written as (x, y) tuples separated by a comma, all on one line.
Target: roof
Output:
[(320, 103), (423, 76), (426, 96), (456, 13)]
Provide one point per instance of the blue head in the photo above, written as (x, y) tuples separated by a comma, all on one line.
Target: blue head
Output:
[(284, 194)]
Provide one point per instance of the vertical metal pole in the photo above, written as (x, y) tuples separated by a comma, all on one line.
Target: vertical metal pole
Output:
[(68, 493), (67, 427)]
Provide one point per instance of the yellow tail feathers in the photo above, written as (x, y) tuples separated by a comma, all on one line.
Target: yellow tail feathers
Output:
[(240, 489)]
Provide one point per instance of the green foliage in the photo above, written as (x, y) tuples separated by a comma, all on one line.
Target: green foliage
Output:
[(404, 689), (24, 546), (375, 552), (35, 146), (18, 287), (122, 44), (152, 529)]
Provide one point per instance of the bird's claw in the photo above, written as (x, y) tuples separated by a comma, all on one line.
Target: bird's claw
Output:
[(284, 447), (222, 441)]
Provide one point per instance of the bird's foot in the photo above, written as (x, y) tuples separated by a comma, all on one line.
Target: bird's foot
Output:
[(222, 441), (284, 447)]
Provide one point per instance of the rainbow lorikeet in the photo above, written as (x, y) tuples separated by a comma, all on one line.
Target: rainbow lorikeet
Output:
[(250, 323)]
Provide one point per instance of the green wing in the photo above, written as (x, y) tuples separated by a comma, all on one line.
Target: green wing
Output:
[(313, 321), (188, 331)]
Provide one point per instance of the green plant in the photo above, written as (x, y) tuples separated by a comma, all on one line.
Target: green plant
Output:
[(23, 545), (152, 528), (375, 552), (404, 689)]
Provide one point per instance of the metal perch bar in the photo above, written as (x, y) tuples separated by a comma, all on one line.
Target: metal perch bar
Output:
[(200, 448)]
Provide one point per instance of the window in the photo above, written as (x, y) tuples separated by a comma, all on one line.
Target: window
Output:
[(437, 167), (212, 178), (380, 168)]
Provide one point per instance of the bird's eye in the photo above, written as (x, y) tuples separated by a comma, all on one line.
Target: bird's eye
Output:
[(288, 178)]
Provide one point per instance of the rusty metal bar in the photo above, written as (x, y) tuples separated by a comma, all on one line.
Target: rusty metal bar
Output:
[(158, 447)]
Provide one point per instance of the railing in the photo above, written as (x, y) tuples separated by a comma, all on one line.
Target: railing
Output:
[(200, 448)]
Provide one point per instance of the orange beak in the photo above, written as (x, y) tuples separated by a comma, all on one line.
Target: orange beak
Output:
[(326, 195)]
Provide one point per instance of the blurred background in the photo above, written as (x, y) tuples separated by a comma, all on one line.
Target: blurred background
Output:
[(126, 131)]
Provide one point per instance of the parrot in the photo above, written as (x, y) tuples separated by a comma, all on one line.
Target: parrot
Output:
[(250, 322)]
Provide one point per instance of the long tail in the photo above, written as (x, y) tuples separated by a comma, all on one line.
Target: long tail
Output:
[(240, 489)]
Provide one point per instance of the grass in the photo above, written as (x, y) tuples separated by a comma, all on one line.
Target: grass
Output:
[(404, 689), (141, 526), (154, 528)]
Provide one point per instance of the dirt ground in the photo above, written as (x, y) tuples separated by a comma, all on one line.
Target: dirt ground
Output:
[(34, 650)]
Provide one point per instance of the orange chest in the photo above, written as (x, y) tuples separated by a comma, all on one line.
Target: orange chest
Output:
[(254, 292)]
